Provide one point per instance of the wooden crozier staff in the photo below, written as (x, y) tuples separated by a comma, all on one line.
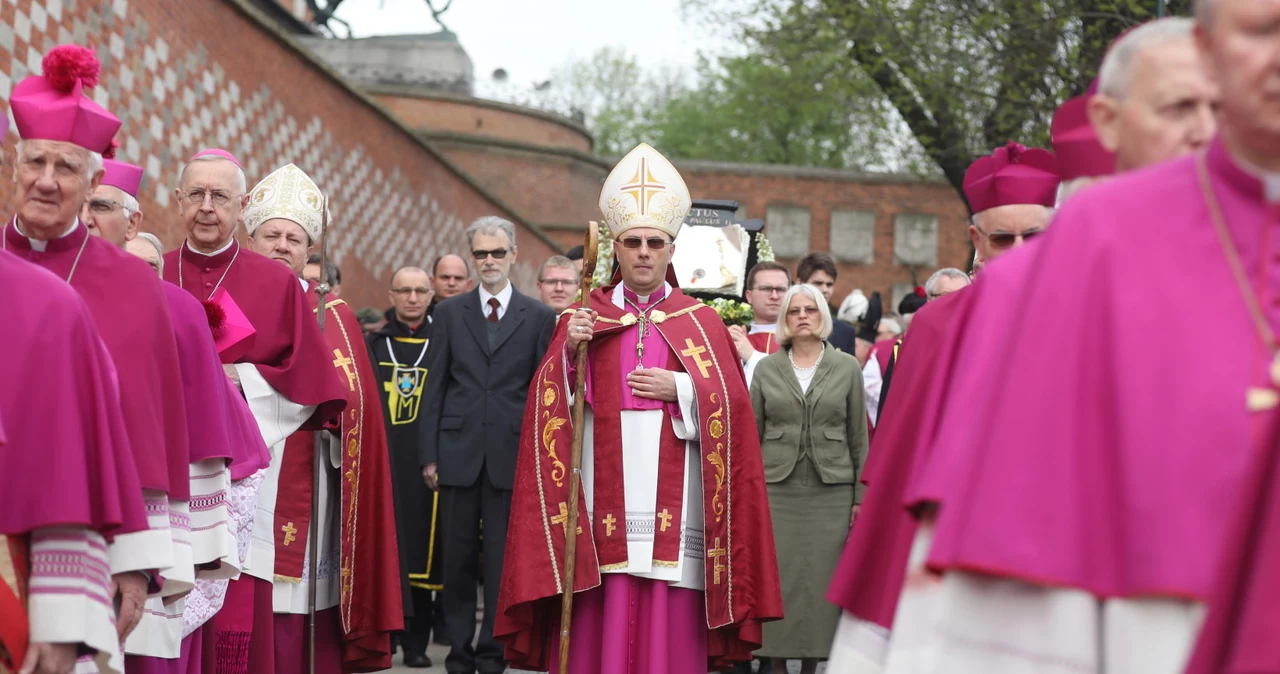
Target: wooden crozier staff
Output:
[(590, 253), (321, 451)]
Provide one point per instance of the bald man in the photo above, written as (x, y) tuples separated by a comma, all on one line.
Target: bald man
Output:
[(398, 349)]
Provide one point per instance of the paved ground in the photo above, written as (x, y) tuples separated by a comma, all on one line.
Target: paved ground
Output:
[(437, 654)]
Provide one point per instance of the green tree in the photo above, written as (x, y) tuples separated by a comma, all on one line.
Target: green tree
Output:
[(964, 75)]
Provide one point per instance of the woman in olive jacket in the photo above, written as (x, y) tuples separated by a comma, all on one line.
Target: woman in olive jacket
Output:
[(811, 416)]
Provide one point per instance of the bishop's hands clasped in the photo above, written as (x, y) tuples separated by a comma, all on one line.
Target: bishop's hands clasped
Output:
[(582, 327)]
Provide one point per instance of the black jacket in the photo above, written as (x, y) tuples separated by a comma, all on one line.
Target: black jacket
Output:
[(475, 396)]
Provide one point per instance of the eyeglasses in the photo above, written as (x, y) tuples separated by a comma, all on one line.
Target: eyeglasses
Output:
[(404, 292), (196, 197), (104, 206), (802, 311), (557, 282), (634, 243), (769, 290), (497, 253), (1003, 240)]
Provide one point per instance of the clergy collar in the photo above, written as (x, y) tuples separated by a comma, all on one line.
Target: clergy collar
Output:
[(215, 259), (654, 296), (764, 327), (1240, 175), (68, 240)]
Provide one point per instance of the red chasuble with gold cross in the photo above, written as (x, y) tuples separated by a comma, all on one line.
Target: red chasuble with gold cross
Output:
[(369, 600), (740, 571)]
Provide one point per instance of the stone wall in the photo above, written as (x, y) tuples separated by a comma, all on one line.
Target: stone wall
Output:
[(187, 75)]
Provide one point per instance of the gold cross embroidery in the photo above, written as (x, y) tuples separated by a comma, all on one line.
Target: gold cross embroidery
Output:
[(715, 554), (695, 352), (643, 186), (610, 523), (665, 516), (290, 533), (345, 363), (563, 518)]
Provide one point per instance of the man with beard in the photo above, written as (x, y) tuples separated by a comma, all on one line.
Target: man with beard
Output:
[(398, 350), (357, 596)]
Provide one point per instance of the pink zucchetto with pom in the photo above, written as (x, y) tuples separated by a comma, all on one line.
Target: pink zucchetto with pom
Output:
[(1012, 175)]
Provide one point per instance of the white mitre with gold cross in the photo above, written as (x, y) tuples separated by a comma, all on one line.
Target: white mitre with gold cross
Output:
[(290, 194), (644, 190)]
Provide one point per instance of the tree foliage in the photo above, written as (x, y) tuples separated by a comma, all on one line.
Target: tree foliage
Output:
[(904, 85)]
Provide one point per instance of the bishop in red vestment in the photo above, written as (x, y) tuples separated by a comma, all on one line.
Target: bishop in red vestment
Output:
[(287, 378), (359, 582), (675, 567), (59, 165)]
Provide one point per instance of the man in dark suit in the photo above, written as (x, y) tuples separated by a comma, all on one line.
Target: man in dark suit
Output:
[(485, 346)]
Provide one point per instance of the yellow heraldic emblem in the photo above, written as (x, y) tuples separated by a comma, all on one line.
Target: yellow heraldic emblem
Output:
[(404, 393)]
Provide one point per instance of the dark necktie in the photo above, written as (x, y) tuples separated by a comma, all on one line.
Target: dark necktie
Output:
[(493, 309)]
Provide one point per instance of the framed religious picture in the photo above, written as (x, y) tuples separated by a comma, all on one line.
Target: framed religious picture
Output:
[(714, 250)]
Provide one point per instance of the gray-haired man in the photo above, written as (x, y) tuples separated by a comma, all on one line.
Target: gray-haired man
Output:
[(485, 346)]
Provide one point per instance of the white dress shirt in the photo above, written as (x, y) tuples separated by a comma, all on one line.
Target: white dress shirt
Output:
[(504, 301)]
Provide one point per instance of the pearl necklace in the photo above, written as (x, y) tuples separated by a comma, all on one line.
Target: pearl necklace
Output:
[(806, 372)]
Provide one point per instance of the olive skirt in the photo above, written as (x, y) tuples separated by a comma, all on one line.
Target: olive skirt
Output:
[(810, 525)]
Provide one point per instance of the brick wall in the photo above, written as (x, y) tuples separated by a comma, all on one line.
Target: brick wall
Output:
[(198, 73), (821, 192), (439, 111)]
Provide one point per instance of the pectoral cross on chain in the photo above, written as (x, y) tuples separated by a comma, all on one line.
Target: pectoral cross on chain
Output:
[(345, 363), (1261, 399)]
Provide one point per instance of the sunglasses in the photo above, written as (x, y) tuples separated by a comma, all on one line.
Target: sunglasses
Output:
[(1003, 240), (654, 243), (497, 253)]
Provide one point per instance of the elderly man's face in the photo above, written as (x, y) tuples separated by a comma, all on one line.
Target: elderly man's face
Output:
[(557, 287), (451, 277), (947, 285), (1168, 111), (105, 216), (643, 255), (210, 204), (1241, 46), (53, 184), (492, 255), (283, 241), (998, 230), (144, 250)]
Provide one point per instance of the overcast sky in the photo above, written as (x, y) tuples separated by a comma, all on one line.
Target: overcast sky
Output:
[(530, 38)]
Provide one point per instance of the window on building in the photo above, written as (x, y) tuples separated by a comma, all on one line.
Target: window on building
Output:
[(788, 230), (915, 239), (853, 236)]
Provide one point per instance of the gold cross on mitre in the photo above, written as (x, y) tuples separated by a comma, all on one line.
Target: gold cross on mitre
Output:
[(1261, 399), (290, 533), (345, 363), (643, 186)]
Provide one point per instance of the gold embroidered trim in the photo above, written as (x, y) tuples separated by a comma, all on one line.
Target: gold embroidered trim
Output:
[(353, 476), (287, 579), (547, 372), (728, 422), (665, 564), (613, 567)]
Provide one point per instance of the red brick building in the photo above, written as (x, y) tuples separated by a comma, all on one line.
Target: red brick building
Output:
[(406, 167)]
